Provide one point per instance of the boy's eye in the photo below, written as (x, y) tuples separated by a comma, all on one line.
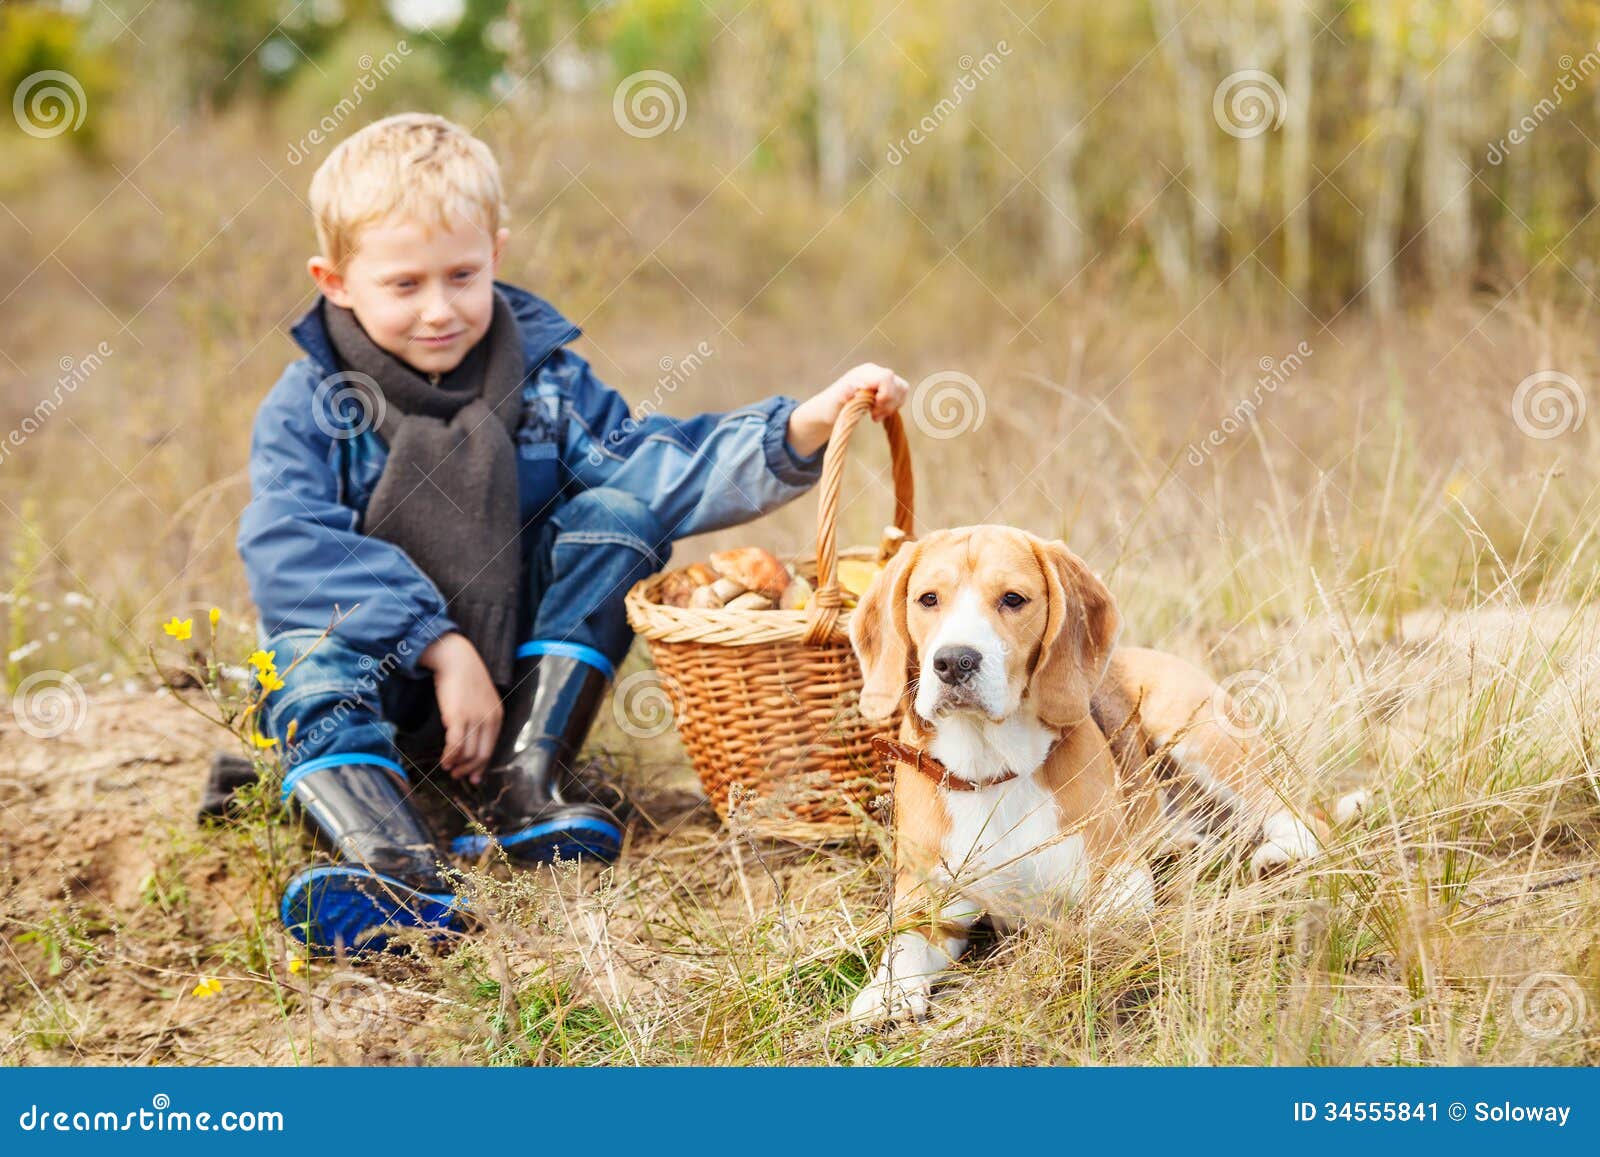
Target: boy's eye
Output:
[(931, 599), (1013, 599), (465, 274)]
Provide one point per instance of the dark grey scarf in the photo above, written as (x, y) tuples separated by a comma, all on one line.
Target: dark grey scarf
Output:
[(448, 495)]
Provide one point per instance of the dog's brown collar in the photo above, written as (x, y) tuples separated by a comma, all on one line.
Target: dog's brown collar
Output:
[(929, 767)]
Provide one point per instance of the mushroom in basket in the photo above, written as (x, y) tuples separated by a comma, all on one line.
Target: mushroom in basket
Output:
[(749, 578)]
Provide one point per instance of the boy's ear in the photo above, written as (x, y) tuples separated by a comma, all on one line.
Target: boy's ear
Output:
[(882, 642), (500, 240), (329, 280)]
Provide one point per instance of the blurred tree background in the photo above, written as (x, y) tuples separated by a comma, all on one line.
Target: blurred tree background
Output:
[(1064, 134)]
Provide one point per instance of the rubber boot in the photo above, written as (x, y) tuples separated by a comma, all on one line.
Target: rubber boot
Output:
[(530, 815), (388, 875)]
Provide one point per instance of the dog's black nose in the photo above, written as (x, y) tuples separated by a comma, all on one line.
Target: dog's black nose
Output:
[(956, 664)]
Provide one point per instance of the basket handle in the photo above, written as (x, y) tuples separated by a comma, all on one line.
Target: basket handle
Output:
[(827, 601)]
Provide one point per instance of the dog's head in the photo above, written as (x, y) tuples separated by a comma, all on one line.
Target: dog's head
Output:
[(983, 619)]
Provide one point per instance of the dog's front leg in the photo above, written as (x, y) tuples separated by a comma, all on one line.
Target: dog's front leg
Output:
[(915, 958)]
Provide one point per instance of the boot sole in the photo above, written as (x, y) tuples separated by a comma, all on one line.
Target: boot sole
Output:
[(575, 838), (328, 906)]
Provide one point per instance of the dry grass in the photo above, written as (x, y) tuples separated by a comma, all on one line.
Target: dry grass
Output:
[(1409, 569)]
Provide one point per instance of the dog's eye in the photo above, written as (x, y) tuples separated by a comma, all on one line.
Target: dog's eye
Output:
[(1013, 599), (931, 599)]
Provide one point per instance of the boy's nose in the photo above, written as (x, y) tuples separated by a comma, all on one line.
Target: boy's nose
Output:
[(437, 308)]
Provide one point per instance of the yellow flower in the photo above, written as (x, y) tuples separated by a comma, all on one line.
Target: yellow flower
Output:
[(297, 964), (179, 629), (208, 986), (262, 742), (288, 736), (263, 660), (270, 680), (215, 617)]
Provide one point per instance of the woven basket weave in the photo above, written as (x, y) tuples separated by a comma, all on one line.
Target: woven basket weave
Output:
[(766, 701)]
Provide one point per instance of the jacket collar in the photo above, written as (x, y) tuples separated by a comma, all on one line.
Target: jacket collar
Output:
[(540, 324)]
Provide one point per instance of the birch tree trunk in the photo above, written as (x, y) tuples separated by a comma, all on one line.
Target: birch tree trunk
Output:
[(1391, 101), (832, 138), (1445, 173), (1195, 131), (1295, 159)]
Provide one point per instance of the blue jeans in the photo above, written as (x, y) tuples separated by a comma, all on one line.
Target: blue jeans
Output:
[(578, 566)]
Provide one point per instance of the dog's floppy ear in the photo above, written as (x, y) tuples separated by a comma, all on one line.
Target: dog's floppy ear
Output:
[(878, 633), (1080, 630)]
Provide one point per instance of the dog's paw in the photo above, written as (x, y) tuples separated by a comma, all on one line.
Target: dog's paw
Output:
[(1285, 841), (1124, 891), (891, 998), (1351, 807)]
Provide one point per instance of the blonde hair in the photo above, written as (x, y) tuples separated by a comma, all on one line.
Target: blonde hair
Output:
[(415, 166)]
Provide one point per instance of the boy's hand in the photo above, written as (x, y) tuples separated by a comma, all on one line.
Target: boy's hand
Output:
[(469, 704), (812, 421)]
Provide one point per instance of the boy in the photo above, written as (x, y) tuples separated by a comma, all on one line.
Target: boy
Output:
[(445, 474)]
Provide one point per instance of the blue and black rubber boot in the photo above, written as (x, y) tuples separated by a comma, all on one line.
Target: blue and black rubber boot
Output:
[(533, 792), (387, 877)]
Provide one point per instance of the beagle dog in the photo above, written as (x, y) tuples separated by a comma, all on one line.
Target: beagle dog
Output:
[(1038, 766)]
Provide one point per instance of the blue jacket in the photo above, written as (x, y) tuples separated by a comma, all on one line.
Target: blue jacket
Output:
[(301, 540)]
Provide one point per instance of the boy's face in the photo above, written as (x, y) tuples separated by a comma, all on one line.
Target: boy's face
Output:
[(425, 295)]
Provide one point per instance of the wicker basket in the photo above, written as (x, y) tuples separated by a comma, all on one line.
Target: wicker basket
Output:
[(766, 701)]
